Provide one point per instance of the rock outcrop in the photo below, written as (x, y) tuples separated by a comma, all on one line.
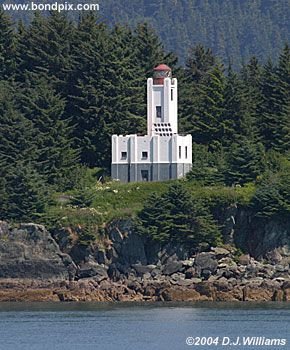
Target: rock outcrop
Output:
[(36, 266), (29, 251)]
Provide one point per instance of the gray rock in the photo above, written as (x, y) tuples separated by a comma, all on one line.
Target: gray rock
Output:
[(147, 276), (29, 251), (281, 268), (220, 252), (196, 280), (188, 263), (142, 269), (205, 273), (190, 273), (92, 269), (244, 259), (184, 283), (177, 276), (132, 250), (4, 229), (101, 257), (172, 267), (274, 257), (156, 272), (113, 272), (206, 261)]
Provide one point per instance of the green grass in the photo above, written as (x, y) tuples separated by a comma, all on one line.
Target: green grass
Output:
[(114, 200)]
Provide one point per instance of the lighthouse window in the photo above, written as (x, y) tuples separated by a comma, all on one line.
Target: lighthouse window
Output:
[(171, 94), (179, 152), (158, 111), (144, 155), (123, 155)]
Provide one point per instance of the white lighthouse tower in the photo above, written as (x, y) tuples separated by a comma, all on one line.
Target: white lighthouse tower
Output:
[(162, 154)]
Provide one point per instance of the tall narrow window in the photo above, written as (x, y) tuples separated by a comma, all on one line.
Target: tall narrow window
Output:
[(158, 112), (179, 152), (171, 94), (185, 152)]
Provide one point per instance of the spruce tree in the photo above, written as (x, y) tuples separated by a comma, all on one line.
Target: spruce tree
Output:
[(208, 125), (56, 160), (150, 51), (25, 194), (175, 217), (251, 87), (7, 47), (274, 108), (16, 131), (246, 161), (88, 84), (45, 48), (198, 64)]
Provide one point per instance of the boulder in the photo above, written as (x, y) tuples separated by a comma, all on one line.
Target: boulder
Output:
[(244, 259), (206, 261), (92, 269), (113, 272), (181, 294), (220, 252), (190, 273), (142, 269), (171, 267), (274, 257), (206, 289)]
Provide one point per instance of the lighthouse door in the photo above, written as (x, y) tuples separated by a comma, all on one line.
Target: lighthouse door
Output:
[(145, 175)]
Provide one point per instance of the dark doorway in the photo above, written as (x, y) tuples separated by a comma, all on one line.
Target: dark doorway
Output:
[(145, 175)]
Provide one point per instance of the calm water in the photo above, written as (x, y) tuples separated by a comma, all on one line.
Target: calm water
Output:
[(137, 327)]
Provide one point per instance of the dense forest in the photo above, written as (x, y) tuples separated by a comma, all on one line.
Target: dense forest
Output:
[(234, 29), (65, 88)]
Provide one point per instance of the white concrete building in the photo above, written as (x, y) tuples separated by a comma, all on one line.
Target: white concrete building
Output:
[(162, 154)]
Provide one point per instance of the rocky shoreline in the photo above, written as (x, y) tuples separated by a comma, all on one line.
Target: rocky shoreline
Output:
[(33, 267)]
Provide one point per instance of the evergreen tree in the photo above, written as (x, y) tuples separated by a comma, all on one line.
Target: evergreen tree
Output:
[(246, 161), (16, 132), (150, 51), (175, 216), (198, 64), (25, 194), (208, 126), (283, 73), (208, 168), (7, 47), (237, 119), (87, 81), (45, 48), (274, 108), (250, 76), (272, 197), (56, 160), (200, 61)]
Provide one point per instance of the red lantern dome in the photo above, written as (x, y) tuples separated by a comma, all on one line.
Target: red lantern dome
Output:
[(160, 73)]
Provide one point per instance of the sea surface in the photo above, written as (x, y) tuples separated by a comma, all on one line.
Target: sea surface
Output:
[(89, 326)]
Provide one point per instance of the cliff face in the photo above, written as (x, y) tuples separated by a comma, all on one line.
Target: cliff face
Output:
[(34, 265), (258, 236), (29, 251)]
